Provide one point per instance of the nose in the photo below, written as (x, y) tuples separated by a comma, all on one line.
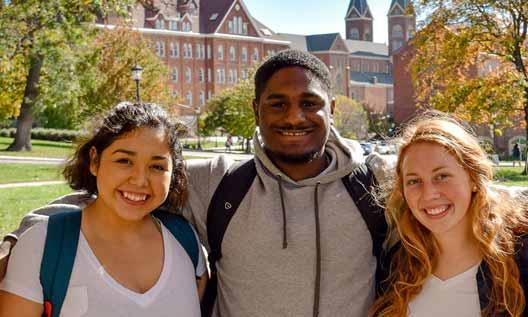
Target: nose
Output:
[(430, 191), (295, 114), (139, 176)]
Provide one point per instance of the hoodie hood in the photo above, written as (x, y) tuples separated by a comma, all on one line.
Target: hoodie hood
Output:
[(344, 154)]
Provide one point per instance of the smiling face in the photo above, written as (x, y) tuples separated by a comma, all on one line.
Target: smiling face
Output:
[(133, 173), (293, 115), (437, 189)]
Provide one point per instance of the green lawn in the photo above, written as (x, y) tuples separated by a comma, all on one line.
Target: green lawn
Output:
[(510, 176), (16, 202), (13, 173), (40, 148)]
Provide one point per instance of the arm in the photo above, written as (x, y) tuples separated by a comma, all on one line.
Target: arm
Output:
[(201, 282), (13, 305)]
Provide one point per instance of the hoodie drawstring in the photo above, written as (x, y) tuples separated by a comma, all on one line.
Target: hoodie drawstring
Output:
[(284, 225), (317, 289)]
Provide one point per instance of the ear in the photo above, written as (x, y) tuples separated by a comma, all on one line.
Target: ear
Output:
[(94, 161), (255, 111)]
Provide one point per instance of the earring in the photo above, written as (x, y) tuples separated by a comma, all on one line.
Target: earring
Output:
[(474, 189)]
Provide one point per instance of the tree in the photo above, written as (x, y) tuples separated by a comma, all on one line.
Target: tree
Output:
[(471, 57), (350, 118), (232, 110), (32, 31)]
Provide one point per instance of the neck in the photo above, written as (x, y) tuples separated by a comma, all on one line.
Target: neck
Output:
[(300, 171), (106, 225), (458, 252)]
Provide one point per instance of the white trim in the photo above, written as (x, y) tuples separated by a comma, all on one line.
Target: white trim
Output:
[(371, 57), (397, 15), (199, 35), (360, 18), (330, 52), (363, 84)]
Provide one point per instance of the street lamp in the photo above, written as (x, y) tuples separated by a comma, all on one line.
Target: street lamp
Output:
[(136, 76)]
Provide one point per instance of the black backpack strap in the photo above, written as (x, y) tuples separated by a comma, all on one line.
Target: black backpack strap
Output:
[(225, 201), (360, 184)]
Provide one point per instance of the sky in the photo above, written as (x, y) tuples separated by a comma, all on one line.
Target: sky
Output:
[(315, 17)]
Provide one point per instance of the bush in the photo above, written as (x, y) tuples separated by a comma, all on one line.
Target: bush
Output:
[(45, 134)]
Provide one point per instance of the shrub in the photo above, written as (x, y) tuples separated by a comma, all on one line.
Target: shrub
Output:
[(45, 134)]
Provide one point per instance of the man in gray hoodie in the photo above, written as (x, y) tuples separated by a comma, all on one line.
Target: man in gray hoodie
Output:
[(297, 244)]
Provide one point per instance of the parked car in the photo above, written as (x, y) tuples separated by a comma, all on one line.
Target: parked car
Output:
[(367, 147)]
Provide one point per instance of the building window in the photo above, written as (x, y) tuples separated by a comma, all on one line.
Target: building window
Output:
[(244, 54), (201, 75), (174, 93), (396, 44), (189, 98), (230, 27), (243, 74), (208, 51), (397, 31), (188, 75), (367, 36), (174, 25), (354, 34), (256, 56), (186, 27), (174, 49), (160, 24), (232, 53), (220, 75), (174, 75), (202, 98), (209, 75), (230, 77), (245, 29), (220, 52), (160, 49)]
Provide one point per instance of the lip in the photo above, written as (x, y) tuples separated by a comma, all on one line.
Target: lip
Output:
[(440, 215)]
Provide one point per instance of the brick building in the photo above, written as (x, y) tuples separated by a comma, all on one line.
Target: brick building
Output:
[(209, 45)]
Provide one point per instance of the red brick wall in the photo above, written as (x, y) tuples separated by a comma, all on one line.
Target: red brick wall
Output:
[(404, 101)]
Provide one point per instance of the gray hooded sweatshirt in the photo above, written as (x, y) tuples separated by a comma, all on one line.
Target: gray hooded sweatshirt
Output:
[(270, 266)]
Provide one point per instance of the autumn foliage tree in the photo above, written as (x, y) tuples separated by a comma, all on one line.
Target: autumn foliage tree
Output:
[(470, 59), (351, 118)]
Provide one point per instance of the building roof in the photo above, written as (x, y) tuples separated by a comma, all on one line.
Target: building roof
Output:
[(320, 42), (212, 13), (403, 3), (380, 78), (297, 41), (360, 5), (366, 48)]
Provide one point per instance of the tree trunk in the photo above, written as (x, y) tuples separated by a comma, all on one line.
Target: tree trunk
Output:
[(525, 152), (22, 141), (248, 145)]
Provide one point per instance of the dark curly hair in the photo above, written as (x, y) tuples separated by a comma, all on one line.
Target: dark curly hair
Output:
[(291, 58), (122, 119)]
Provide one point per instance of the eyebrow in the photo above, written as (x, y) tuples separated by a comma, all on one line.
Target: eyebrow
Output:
[(303, 95), (132, 153)]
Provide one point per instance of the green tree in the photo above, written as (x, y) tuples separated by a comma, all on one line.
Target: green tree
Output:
[(350, 118), (470, 59), (32, 34), (232, 110)]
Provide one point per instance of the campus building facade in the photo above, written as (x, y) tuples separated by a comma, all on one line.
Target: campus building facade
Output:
[(209, 45)]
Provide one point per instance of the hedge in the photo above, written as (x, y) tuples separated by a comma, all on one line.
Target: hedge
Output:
[(45, 134)]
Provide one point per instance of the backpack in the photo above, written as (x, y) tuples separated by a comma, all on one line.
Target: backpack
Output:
[(60, 249), (235, 185)]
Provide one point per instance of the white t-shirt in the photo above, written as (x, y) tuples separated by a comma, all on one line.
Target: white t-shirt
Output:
[(92, 292), (457, 297)]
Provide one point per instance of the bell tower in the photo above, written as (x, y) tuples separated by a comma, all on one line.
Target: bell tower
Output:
[(358, 21), (402, 23)]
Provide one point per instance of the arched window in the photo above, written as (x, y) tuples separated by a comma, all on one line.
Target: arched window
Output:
[(397, 31), (354, 34)]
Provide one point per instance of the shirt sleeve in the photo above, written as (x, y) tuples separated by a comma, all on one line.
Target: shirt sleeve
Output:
[(23, 271)]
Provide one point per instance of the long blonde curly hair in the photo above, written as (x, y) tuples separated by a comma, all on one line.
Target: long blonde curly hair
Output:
[(496, 224)]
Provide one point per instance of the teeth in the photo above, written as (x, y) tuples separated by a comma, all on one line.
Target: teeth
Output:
[(293, 133), (134, 197), (437, 210)]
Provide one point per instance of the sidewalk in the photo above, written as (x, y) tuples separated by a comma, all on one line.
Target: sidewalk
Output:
[(31, 184)]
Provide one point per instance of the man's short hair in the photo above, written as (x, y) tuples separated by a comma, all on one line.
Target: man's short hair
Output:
[(291, 58)]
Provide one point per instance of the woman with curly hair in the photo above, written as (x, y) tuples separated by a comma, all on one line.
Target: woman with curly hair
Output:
[(455, 247)]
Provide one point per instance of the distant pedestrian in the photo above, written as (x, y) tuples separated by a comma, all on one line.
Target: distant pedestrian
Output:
[(516, 154), (229, 143)]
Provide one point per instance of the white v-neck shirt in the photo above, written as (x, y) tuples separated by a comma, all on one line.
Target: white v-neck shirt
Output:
[(93, 292), (457, 296)]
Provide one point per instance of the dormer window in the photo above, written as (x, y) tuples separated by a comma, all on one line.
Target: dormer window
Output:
[(174, 25), (237, 26), (160, 24)]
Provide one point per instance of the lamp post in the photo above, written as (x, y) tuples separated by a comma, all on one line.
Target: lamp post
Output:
[(136, 76)]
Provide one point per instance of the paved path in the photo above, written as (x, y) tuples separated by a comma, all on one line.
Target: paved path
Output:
[(31, 184)]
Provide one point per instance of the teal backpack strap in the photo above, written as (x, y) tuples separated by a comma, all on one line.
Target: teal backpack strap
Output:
[(182, 231), (60, 249)]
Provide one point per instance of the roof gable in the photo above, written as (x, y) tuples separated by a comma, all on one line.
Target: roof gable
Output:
[(339, 45), (212, 13), (321, 42)]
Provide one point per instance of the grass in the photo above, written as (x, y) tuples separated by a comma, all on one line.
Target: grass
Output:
[(40, 148), (16, 202), (510, 176), (14, 173)]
